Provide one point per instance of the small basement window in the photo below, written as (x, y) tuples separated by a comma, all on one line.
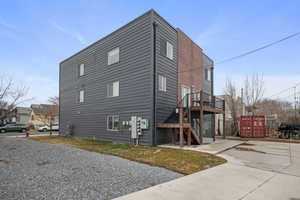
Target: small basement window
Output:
[(113, 89), (113, 56), (162, 83), (113, 122), (81, 69)]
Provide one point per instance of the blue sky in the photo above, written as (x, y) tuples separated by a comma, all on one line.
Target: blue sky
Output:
[(36, 35)]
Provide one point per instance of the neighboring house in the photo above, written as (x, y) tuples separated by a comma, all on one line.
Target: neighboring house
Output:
[(146, 69), (3, 116), (19, 115), (43, 114)]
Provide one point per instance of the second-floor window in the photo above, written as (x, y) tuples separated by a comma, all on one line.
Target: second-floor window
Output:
[(207, 74), (162, 83), (113, 89), (113, 56), (81, 69), (81, 96)]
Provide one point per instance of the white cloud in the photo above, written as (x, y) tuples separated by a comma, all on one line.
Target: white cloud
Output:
[(74, 34), (5, 24), (209, 34)]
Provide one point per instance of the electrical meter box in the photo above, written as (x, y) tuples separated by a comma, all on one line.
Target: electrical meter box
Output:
[(144, 124), (133, 127)]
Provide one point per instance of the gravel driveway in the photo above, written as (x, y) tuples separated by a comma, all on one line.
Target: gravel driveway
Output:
[(35, 170)]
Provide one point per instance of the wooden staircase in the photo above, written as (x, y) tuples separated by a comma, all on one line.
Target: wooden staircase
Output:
[(181, 119)]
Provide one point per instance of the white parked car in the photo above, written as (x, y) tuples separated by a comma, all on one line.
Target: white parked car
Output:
[(55, 127)]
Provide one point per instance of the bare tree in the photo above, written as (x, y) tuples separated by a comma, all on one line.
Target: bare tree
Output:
[(254, 91), (54, 100), (47, 114), (11, 95), (232, 100)]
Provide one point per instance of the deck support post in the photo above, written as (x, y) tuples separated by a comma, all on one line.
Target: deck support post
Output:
[(181, 138), (189, 137), (173, 136), (201, 118)]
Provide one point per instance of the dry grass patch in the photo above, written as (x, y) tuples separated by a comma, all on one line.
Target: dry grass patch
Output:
[(182, 161), (6, 161), (42, 163)]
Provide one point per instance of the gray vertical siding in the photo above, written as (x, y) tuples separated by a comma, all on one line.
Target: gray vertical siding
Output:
[(133, 73), (166, 102)]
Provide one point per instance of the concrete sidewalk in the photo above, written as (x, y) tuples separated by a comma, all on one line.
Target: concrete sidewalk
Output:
[(216, 147), (239, 179)]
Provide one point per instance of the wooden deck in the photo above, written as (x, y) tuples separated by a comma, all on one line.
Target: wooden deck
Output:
[(195, 104), (208, 109), (186, 129), (172, 125)]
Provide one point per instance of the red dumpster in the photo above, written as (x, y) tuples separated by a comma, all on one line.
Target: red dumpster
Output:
[(252, 126)]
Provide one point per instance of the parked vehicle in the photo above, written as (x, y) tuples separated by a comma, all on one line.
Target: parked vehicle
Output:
[(14, 127), (55, 127), (287, 130)]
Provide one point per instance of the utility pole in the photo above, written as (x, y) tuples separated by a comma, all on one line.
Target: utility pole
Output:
[(242, 101), (295, 98)]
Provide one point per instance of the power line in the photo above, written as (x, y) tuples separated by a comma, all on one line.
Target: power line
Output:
[(285, 97), (260, 48), (282, 91), (246, 53)]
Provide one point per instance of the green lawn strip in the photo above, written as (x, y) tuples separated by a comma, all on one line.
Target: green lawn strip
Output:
[(182, 161)]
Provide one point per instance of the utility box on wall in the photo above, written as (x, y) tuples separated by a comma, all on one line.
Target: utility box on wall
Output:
[(252, 126), (137, 124)]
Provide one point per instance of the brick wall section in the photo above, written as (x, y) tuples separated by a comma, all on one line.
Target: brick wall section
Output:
[(190, 64)]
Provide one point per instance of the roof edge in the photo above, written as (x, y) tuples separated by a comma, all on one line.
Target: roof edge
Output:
[(118, 29)]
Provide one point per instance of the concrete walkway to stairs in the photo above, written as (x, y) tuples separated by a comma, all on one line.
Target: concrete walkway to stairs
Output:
[(255, 170), (216, 147)]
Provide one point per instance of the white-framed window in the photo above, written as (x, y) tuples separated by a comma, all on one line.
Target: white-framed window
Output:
[(207, 74), (113, 89), (169, 53), (81, 69), (81, 96), (113, 122), (162, 83), (113, 56)]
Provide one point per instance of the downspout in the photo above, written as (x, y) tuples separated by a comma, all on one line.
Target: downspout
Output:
[(59, 101), (213, 117), (154, 85)]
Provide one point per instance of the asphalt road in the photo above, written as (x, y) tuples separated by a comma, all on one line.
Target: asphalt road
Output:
[(36, 170)]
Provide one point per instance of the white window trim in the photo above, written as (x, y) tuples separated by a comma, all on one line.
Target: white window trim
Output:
[(107, 122), (169, 49), (113, 56), (81, 96), (162, 83), (81, 69), (115, 89)]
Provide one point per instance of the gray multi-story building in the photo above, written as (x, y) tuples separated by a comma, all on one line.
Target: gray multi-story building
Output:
[(145, 72)]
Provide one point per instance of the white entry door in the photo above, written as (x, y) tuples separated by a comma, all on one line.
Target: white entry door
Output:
[(185, 97)]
